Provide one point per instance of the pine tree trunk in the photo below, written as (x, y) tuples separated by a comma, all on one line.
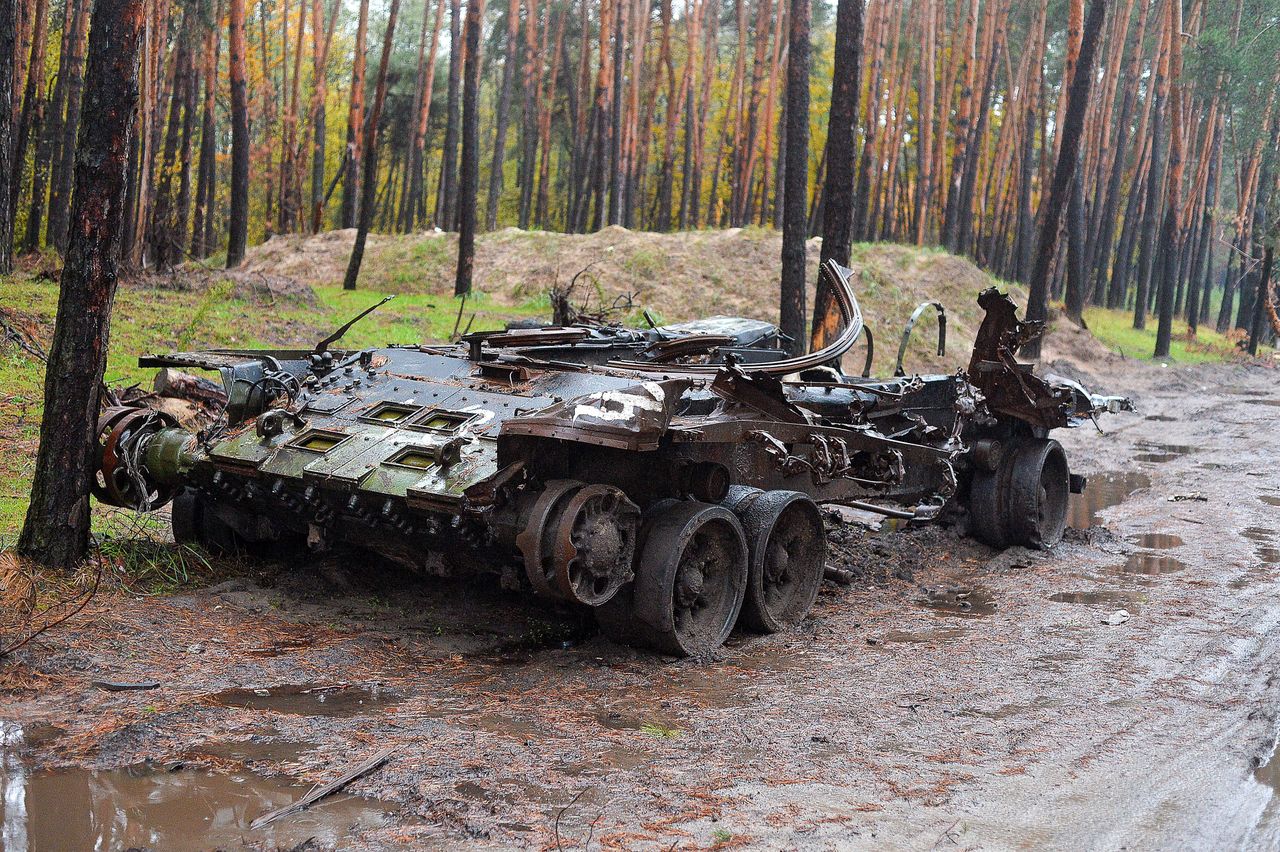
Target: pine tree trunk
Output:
[(502, 113), (319, 114), (56, 530), (470, 162), (239, 219), (202, 217), (447, 196), (1147, 247), (837, 216), (795, 220), (1171, 239), (1076, 254), (355, 123), (64, 165), (8, 168), (369, 178), (30, 111), (1068, 154)]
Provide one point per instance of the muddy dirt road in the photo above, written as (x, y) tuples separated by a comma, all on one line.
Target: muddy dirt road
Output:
[(953, 697)]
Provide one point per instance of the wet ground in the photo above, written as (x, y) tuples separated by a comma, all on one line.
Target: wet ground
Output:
[(951, 697)]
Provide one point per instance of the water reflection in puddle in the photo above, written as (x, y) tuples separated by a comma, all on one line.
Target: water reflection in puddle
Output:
[(1124, 599), (251, 752), (307, 699), (1271, 402), (964, 601), (1103, 491), (1151, 563), (1161, 453), (1269, 555), (147, 806), (1156, 541), (1259, 534)]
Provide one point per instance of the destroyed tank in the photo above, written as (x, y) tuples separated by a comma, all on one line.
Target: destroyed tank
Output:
[(669, 478)]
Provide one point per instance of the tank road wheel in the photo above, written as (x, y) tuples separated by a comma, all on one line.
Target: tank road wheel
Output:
[(193, 523), (579, 541), (691, 578), (595, 544), (1024, 500), (788, 550)]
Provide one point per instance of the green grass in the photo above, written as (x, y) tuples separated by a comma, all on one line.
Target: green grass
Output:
[(148, 320), (1115, 330)]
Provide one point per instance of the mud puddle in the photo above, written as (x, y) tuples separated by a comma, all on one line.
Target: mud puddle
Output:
[(1261, 535), (1275, 403), (1270, 499), (1097, 597), (1102, 492), (1161, 453), (251, 752), (1156, 541), (1269, 555), (154, 807), (1151, 564), (308, 699), (964, 601)]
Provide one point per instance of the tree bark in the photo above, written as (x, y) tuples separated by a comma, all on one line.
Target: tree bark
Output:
[(470, 171), (837, 216), (1260, 300), (1171, 238), (239, 221), (8, 167), (1068, 153), (510, 61), (447, 196), (795, 218), (355, 123), (56, 530), (369, 185), (64, 162)]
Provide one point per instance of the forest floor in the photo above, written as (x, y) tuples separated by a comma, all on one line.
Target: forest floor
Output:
[(953, 696)]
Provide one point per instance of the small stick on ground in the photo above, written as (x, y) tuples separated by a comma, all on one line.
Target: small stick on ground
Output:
[(326, 790)]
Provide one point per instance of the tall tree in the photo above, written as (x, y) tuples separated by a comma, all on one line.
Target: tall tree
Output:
[(837, 217), (1171, 237), (355, 123), (510, 60), (8, 169), (794, 213), (64, 157), (239, 219), (470, 171), (447, 194), (1068, 155), (369, 185), (56, 530)]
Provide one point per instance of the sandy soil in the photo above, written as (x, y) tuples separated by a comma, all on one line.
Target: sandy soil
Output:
[(953, 697)]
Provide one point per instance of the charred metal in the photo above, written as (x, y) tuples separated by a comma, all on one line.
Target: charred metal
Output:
[(667, 477)]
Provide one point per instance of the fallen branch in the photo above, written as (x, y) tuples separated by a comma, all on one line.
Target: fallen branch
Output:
[(120, 686), (327, 790)]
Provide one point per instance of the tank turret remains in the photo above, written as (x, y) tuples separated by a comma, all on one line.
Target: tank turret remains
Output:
[(668, 477)]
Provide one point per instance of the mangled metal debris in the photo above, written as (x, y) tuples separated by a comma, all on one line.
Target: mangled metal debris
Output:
[(667, 477)]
